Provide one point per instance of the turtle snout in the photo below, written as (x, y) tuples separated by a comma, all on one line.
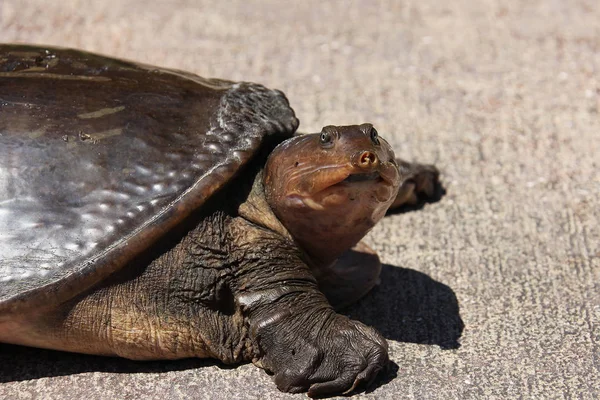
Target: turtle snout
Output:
[(367, 160)]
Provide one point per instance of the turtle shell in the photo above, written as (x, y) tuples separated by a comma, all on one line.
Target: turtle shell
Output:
[(101, 157)]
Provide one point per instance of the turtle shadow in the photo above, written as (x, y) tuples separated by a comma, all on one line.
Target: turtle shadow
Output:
[(409, 306), (19, 363)]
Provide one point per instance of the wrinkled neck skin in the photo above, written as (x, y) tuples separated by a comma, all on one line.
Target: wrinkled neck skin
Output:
[(327, 196), (256, 209)]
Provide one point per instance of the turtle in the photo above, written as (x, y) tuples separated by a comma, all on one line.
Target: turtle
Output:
[(150, 213)]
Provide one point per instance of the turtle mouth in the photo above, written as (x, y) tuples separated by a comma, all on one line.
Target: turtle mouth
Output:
[(362, 177), (381, 175), (356, 189)]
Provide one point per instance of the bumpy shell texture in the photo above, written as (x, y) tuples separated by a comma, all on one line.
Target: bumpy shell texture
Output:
[(101, 157)]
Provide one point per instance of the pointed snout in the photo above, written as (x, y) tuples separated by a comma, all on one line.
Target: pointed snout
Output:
[(366, 160)]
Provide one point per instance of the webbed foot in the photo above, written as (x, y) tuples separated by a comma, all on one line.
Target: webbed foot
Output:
[(323, 354), (420, 184)]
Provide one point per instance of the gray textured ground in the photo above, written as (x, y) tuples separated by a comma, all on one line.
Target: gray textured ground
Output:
[(504, 96)]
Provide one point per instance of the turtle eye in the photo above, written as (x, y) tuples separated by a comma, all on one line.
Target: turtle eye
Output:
[(374, 136), (326, 139)]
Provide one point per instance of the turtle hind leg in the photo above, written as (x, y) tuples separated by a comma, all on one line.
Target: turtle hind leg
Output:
[(351, 276), (157, 313), (420, 184), (103, 323)]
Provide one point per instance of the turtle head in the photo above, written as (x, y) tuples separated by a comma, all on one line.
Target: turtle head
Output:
[(330, 188)]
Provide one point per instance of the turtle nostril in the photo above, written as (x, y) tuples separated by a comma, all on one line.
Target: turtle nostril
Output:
[(367, 159)]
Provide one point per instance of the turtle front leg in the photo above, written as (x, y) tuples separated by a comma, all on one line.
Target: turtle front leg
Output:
[(351, 276), (293, 330), (420, 184)]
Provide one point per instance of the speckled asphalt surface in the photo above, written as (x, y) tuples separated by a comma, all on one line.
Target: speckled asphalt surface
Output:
[(492, 292)]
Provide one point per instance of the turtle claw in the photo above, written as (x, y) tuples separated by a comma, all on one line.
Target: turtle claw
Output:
[(338, 357), (335, 386)]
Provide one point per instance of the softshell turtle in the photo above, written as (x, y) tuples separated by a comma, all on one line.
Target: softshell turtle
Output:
[(153, 214)]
